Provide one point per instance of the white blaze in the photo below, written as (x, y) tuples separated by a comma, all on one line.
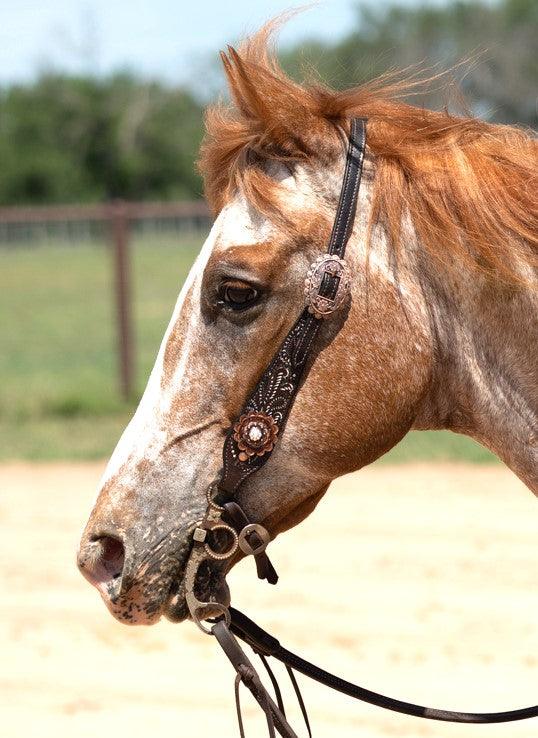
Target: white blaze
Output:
[(236, 225)]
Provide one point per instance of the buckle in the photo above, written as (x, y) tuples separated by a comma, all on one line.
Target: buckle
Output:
[(245, 545), (327, 286)]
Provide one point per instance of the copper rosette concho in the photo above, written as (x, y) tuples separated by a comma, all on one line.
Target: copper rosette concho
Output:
[(255, 434), (320, 305)]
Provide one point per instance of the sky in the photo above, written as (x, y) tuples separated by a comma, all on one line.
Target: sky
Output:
[(166, 39)]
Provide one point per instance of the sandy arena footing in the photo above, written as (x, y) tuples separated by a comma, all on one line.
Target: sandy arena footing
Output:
[(418, 581)]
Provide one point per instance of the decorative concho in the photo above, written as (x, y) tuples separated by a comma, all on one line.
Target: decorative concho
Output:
[(255, 434), (319, 305)]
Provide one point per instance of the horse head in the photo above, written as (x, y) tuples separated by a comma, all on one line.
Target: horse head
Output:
[(273, 163)]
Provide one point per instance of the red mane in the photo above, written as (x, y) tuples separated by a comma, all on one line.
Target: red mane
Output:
[(469, 187)]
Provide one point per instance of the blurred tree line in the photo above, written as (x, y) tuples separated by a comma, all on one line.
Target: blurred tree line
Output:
[(69, 139), (497, 43)]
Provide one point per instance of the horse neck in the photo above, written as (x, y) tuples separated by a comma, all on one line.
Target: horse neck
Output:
[(485, 377)]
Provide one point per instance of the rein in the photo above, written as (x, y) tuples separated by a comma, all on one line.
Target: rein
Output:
[(226, 529)]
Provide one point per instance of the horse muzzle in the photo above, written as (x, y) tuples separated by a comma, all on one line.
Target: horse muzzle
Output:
[(137, 579)]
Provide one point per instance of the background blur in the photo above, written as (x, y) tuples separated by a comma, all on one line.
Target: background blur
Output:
[(101, 102), (419, 579)]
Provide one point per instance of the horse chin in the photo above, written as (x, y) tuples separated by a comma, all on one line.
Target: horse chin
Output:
[(176, 609), (211, 587), (133, 611)]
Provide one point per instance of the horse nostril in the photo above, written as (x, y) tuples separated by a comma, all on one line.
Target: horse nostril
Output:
[(102, 560), (112, 556)]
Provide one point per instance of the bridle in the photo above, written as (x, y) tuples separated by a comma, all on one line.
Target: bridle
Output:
[(226, 530)]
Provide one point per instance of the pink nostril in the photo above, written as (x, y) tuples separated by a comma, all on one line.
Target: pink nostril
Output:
[(101, 561)]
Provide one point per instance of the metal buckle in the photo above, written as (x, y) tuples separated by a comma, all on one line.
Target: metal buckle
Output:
[(319, 305), (262, 534)]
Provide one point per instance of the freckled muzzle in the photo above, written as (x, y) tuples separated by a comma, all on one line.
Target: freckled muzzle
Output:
[(141, 580)]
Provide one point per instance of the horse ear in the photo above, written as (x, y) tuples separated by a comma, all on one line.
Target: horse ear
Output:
[(242, 90), (275, 109)]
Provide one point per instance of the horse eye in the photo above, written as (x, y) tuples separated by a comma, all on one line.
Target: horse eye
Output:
[(237, 295)]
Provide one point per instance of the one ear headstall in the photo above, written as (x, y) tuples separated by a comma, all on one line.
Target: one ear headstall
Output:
[(327, 287), (251, 439)]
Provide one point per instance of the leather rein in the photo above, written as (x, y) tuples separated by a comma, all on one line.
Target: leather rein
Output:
[(226, 530)]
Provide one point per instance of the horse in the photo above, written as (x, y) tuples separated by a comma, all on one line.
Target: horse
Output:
[(440, 330)]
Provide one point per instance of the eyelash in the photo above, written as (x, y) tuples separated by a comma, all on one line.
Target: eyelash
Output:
[(225, 295)]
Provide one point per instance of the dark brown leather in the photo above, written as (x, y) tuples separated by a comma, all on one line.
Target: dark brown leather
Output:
[(278, 385), (235, 516), (250, 679), (263, 642)]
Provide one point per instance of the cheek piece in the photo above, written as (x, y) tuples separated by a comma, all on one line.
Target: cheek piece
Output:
[(226, 531)]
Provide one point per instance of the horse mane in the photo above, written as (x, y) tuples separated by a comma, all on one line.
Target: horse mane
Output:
[(468, 186)]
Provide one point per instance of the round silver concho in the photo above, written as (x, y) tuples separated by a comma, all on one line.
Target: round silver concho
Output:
[(319, 305)]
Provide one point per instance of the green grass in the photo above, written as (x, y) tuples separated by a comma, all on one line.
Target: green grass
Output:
[(58, 374), (58, 377)]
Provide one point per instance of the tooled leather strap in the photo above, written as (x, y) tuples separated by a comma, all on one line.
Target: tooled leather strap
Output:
[(250, 442)]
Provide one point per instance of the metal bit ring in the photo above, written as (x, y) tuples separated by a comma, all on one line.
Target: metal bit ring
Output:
[(211, 490), (221, 611), (221, 556)]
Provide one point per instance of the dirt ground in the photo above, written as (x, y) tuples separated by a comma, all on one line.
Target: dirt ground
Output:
[(419, 581)]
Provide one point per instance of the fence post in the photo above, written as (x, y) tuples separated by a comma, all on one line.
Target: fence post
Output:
[(122, 278)]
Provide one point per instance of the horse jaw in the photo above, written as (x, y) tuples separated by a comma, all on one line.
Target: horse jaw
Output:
[(485, 382)]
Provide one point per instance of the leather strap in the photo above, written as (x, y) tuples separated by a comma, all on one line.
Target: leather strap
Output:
[(278, 385), (263, 642), (236, 517), (250, 678)]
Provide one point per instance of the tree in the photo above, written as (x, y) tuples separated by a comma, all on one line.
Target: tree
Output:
[(71, 139), (499, 41)]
